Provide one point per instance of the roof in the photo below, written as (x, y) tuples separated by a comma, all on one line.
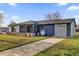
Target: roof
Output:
[(42, 22), (60, 21)]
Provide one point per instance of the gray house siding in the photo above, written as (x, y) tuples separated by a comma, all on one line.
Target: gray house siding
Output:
[(72, 29), (9, 28), (17, 29)]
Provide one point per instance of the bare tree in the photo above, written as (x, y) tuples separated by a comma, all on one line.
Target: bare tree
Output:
[(56, 15), (12, 22), (1, 19), (53, 16), (48, 16)]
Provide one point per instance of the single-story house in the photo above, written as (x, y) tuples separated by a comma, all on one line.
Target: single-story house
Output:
[(77, 28), (59, 28)]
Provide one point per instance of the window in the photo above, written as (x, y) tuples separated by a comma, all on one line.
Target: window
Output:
[(13, 29), (22, 28), (29, 29), (41, 27)]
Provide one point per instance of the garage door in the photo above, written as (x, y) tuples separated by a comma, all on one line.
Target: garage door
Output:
[(60, 30)]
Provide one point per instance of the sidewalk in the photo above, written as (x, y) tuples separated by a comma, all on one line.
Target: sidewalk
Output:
[(32, 48)]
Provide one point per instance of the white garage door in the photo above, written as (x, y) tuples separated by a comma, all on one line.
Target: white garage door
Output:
[(61, 30)]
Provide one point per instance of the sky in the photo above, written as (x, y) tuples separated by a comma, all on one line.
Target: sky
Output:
[(20, 12)]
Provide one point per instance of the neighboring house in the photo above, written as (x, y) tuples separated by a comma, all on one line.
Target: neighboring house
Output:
[(3, 30), (77, 28), (59, 28)]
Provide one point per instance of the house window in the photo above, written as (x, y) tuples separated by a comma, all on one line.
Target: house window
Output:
[(13, 29), (29, 28), (41, 27), (22, 29)]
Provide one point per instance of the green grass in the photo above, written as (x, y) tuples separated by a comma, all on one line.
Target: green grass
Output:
[(9, 41), (67, 47)]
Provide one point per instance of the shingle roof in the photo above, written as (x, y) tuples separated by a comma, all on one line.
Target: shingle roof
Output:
[(59, 21), (28, 22)]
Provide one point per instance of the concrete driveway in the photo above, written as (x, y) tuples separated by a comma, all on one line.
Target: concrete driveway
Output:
[(32, 48)]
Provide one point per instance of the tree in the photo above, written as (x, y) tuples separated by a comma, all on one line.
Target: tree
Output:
[(12, 22), (48, 16), (1, 19), (53, 16)]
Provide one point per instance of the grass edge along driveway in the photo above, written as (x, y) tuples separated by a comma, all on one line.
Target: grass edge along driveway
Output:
[(9, 41), (67, 47)]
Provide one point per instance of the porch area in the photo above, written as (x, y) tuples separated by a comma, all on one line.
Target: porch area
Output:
[(24, 30)]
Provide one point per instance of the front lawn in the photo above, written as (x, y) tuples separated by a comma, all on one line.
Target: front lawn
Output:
[(67, 47), (9, 41)]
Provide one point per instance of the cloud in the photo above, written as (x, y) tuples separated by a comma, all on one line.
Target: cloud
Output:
[(71, 8), (1, 11), (12, 4), (61, 4), (14, 17), (6, 15), (76, 16)]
